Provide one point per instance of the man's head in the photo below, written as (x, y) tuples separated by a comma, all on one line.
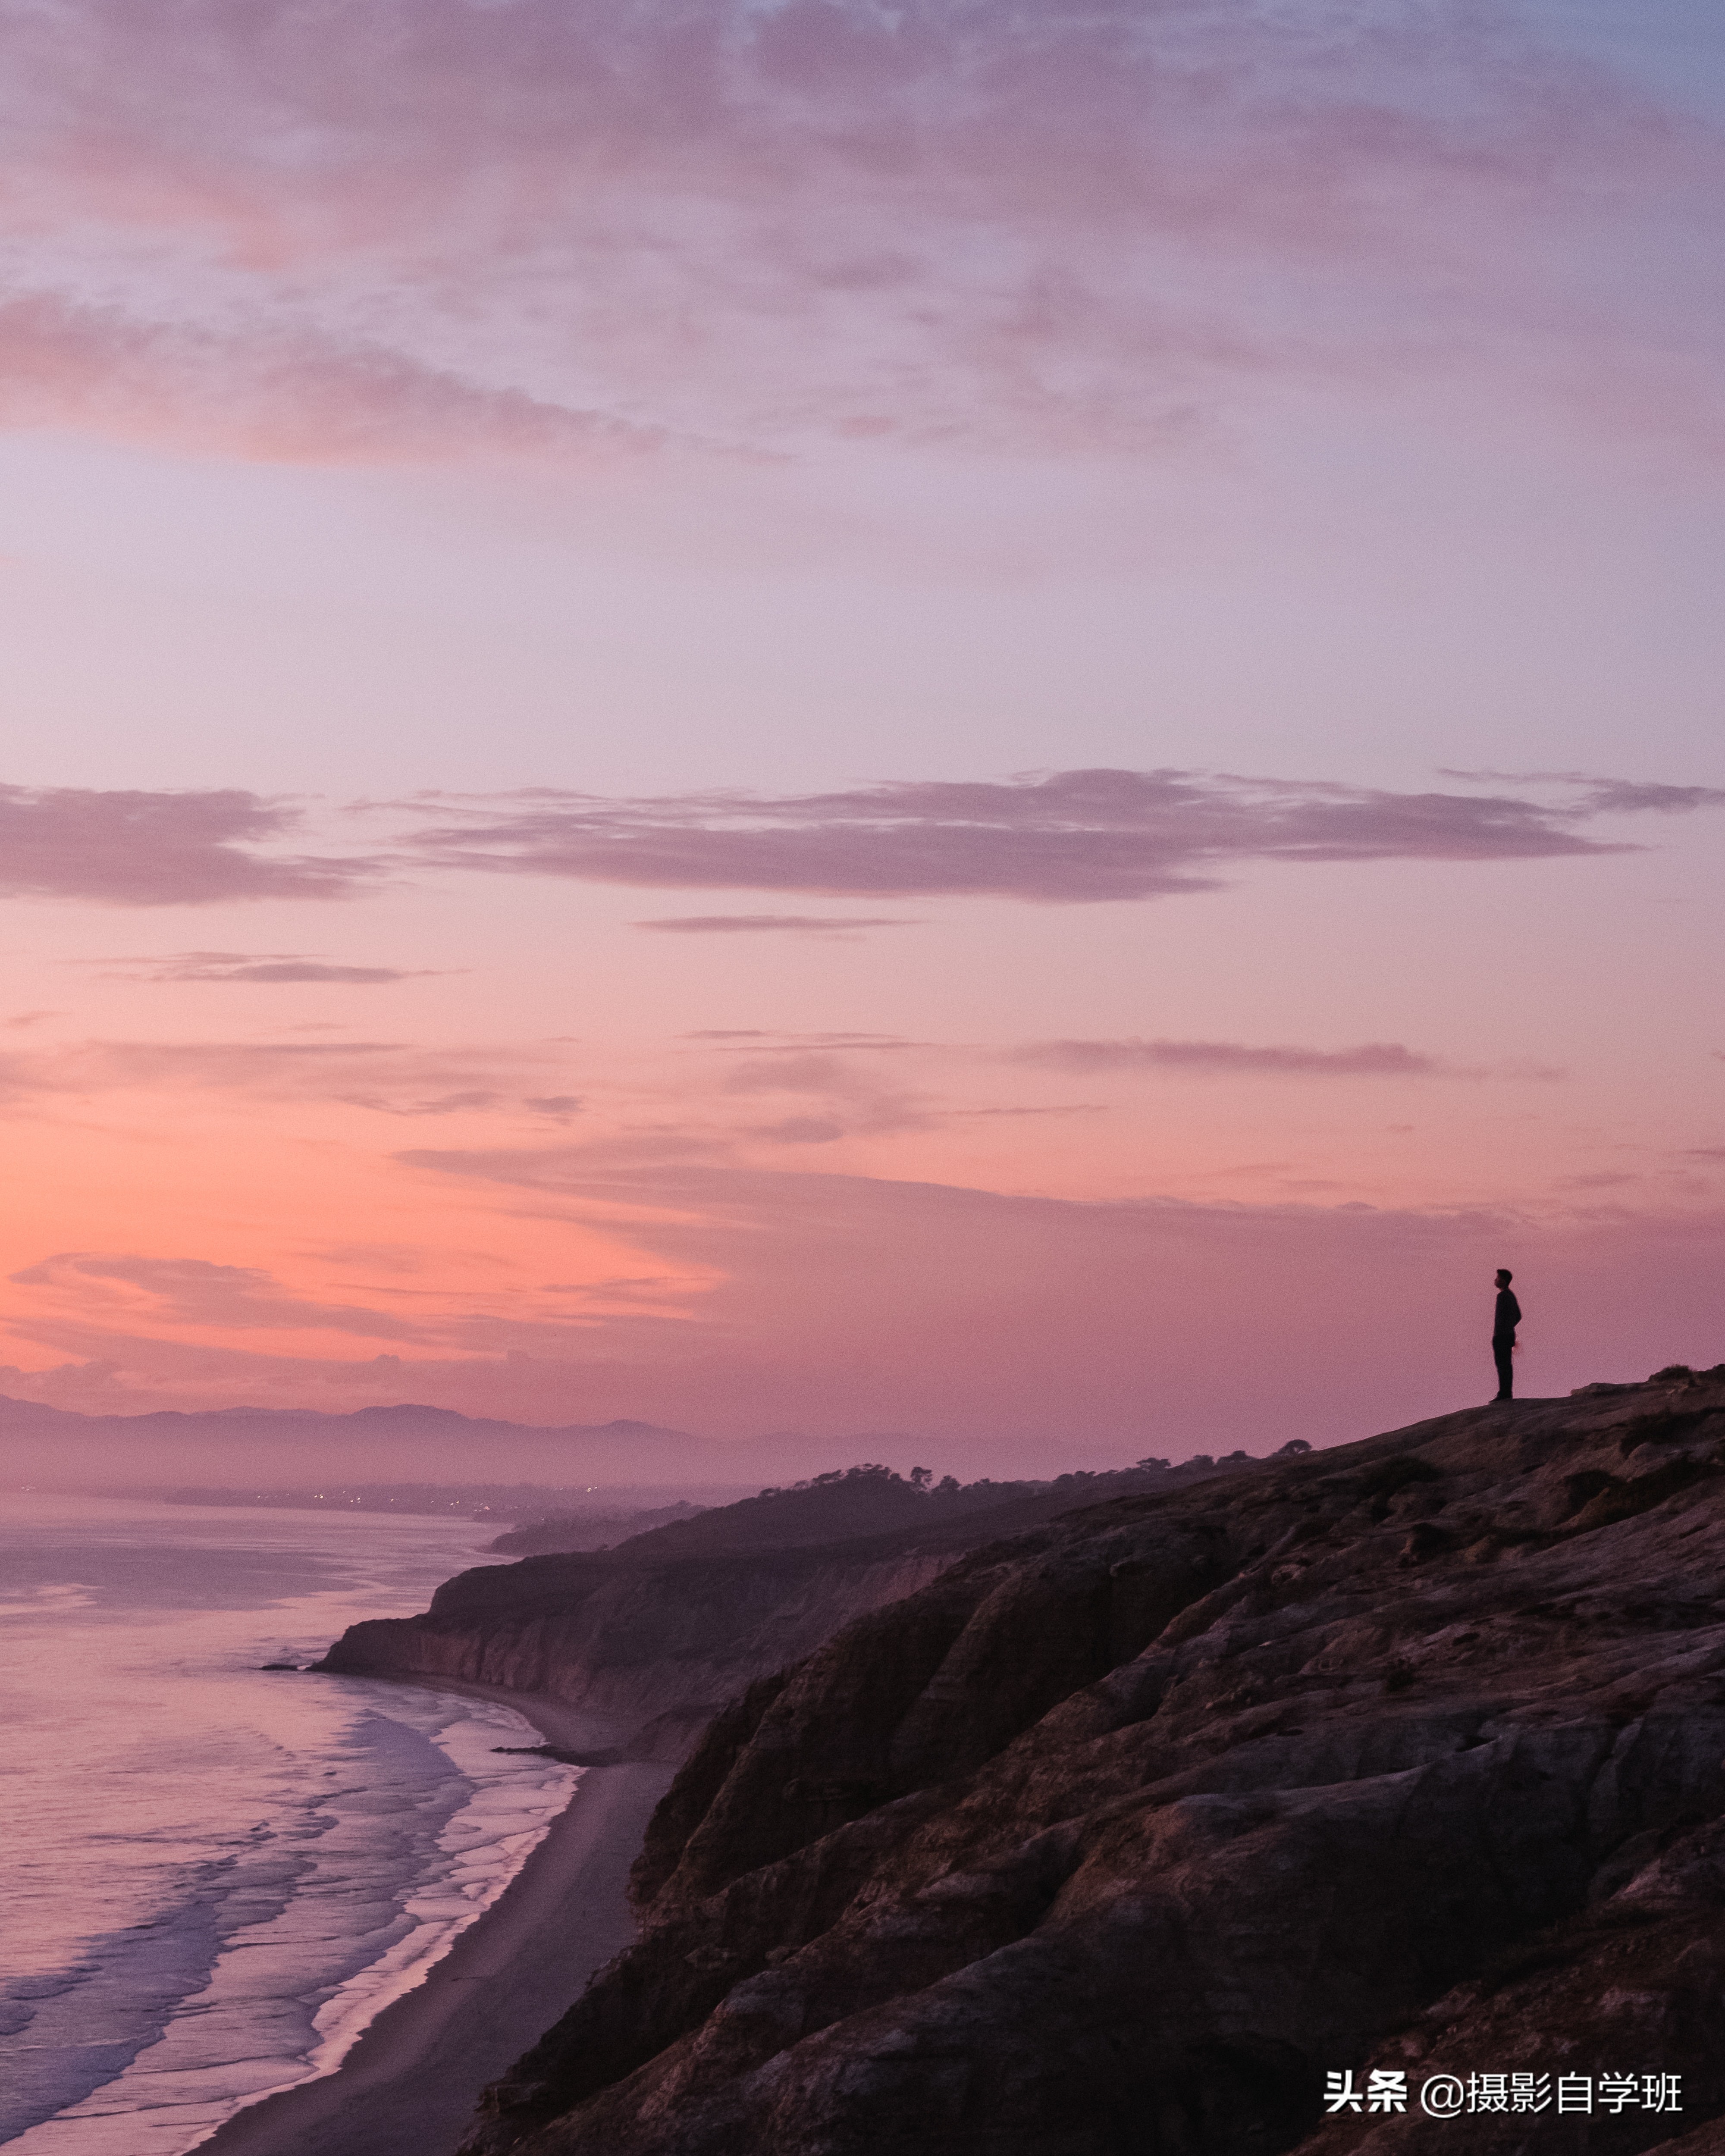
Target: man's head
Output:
[(1504, 1276)]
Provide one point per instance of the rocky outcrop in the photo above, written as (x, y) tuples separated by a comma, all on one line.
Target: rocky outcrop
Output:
[(1120, 1834), (638, 1641), (670, 1625)]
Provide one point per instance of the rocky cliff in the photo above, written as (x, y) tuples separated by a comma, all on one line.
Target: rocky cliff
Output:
[(665, 1643), (1122, 1833), (670, 1625)]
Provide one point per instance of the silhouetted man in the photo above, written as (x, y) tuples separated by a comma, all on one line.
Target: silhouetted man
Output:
[(1507, 1317)]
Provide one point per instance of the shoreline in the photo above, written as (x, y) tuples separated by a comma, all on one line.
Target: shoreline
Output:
[(410, 2084)]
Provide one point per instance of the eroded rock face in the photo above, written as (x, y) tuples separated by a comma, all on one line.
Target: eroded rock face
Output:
[(664, 1631), (1120, 1834), (633, 1641)]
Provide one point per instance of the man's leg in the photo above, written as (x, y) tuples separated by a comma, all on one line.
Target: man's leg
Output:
[(1503, 1355)]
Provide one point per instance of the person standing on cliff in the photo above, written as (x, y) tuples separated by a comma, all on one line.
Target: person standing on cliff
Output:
[(1504, 1322)]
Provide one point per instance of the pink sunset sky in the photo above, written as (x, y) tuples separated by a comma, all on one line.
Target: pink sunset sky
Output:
[(1000, 723)]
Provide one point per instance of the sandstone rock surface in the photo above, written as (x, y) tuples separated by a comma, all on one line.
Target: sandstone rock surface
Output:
[(1115, 1836)]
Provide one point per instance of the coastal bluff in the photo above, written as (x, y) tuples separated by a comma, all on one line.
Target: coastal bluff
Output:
[(660, 1646), (659, 1633), (1119, 1833)]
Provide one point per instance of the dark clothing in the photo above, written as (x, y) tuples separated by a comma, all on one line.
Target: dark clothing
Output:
[(1507, 1317)]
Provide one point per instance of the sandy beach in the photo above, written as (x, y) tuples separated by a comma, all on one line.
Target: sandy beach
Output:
[(409, 2085)]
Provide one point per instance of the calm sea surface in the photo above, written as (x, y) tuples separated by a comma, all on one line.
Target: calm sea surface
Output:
[(211, 1878)]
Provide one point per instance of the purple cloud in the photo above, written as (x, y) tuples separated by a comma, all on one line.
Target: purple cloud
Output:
[(158, 849), (1062, 837)]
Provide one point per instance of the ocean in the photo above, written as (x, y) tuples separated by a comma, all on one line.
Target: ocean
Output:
[(212, 1876)]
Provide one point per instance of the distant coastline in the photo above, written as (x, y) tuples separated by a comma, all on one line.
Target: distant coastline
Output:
[(486, 1503)]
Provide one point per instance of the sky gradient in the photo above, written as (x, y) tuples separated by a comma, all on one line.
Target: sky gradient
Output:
[(993, 724)]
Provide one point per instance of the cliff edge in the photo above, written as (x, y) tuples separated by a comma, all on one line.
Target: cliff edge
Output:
[(663, 1628), (1122, 1832)]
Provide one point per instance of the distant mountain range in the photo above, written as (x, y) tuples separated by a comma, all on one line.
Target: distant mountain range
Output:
[(265, 1446), (262, 1451), (275, 1450)]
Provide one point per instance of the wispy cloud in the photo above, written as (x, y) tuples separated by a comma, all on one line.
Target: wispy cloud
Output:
[(1377, 1059), (556, 1107), (182, 1291), (798, 1130), (850, 1102), (167, 849), (782, 924), (1225, 1059), (1063, 837), (286, 395), (286, 966), (1604, 797), (384, 1077), (400, 230), (798, 1044)]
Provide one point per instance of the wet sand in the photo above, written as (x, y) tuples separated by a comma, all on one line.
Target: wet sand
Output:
[(409, 2085)]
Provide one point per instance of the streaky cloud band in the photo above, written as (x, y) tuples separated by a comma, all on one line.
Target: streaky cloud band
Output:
[(1053, 838), (1375, 1059), (1050, 837), (1221, 1059)]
